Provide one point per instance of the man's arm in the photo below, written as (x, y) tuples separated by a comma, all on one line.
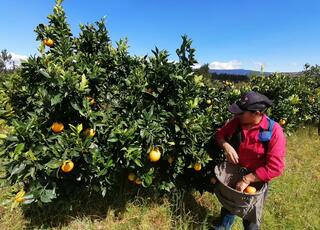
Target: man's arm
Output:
[(227, 131)]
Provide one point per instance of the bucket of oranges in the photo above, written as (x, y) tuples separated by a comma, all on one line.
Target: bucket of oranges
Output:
[(238, 203)]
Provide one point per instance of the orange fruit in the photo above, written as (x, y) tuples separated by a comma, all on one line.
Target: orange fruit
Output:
[(197, 166), (48, 42), (20, 196), (89, 132), (154, 154), (209, 102), (91, 100), (57, 127), (19, 199), (282, 122), (138, 181), (67, 166), (250, 190), (131, 177)]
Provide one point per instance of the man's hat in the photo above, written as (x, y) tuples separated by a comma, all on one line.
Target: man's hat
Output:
[(251, 101)]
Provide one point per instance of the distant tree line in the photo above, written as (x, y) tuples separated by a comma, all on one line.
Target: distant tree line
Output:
[(204, 71), (6, 62)]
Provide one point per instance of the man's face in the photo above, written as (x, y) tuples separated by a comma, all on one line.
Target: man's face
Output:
[(247, 117)]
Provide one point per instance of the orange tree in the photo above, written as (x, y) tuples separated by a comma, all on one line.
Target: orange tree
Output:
[(88, 114), (296, 99), (85, 113)]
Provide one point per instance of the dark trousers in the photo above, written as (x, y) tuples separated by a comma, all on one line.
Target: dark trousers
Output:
[(246, 223)]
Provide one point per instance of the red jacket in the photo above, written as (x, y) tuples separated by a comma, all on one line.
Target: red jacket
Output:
[(251, 151)]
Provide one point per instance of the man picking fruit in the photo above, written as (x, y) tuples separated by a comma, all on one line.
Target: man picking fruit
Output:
[(260, 149)]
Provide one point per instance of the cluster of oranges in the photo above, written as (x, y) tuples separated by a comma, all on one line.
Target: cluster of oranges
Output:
[(133, 178), (58, 127), (154, 155)]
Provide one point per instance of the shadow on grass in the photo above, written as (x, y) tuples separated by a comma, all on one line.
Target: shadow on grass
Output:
[(78, 204), (185, 208)]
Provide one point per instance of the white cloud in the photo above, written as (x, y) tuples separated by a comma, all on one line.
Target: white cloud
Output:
[(196, 66), (225, 65), (18, 58)]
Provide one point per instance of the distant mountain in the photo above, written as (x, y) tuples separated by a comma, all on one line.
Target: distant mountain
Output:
[(243, 72)]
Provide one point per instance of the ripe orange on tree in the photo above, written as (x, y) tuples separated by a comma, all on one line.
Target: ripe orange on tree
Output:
[(155, 154), (282, 122), (67, 166), (132, 176), (91, 100), (250, 190), (48, 42), (138, 181), (197, 166), (89, 132), (57, 127)]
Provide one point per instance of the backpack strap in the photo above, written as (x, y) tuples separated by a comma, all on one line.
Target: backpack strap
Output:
[(265, 135)]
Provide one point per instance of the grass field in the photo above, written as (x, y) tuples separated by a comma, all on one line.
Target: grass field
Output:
[(293, 202)]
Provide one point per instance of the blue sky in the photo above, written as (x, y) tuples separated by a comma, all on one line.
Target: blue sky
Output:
[(281, 34)]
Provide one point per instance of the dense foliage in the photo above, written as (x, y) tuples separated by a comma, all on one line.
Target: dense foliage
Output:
[(85, 113)]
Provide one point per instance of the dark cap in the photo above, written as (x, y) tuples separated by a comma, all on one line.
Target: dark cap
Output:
[(250, 101)]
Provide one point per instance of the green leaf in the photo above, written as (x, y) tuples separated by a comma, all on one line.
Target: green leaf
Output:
[(30, 155), (84, 83), (79, 128), (54, 164), (177, 128), (147, 180), (48, 195), (56, 99), (17, 169), (44, 73), (113, 140), (138, 162), (19, 148)]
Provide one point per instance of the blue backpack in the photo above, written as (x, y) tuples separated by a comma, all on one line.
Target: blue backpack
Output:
[(265, 135)]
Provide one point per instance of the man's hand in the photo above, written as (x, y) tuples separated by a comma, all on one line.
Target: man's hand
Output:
[(230, 153), (241, 185)]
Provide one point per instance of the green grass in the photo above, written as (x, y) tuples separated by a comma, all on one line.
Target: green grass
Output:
[(293, 202)]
